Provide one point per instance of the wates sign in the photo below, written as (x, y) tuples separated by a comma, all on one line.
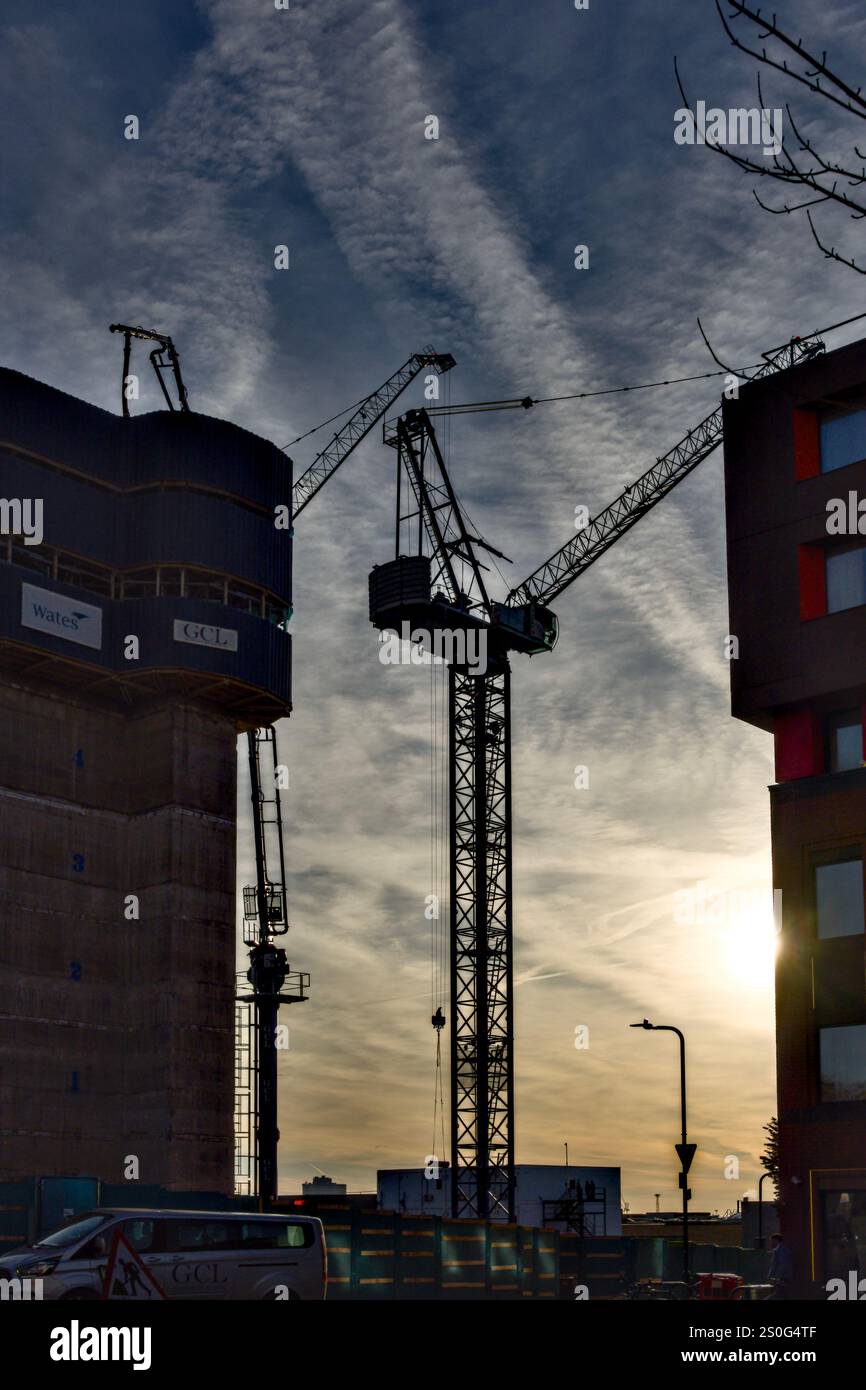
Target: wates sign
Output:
[(60, 616)]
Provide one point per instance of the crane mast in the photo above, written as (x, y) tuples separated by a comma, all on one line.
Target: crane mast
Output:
[(479, 801), (441, 587)]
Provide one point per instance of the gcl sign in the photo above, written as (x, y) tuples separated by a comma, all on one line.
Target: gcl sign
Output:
[(205, 635)]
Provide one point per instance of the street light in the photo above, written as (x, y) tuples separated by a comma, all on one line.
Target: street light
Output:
[(685, 1150), (761, 1180)]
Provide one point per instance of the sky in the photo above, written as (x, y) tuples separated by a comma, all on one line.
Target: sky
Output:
[(305, 127)]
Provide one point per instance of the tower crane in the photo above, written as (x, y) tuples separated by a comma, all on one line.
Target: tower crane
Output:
[(442, 588), (272, 980)]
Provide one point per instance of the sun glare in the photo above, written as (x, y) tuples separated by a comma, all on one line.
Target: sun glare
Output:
[(749, 944)]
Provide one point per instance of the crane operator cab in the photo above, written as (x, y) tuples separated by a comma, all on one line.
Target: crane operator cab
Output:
[(529, 628)]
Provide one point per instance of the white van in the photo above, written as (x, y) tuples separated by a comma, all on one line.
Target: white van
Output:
[(176, 1254)]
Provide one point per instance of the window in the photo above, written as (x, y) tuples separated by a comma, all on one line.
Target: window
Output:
[(843, 438), (839, 898), (844, 741), (843, 1063), (846, 578), (189, 1236), (844, 1233), (192, 1236), (71, 1231), (273, 1235), (140, 1234)]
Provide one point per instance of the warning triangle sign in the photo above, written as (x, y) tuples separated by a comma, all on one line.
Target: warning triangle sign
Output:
[(686, 1154), (126, 1274)]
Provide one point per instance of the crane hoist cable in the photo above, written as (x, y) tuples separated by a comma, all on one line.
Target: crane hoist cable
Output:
[(330, 420), (527, 402)]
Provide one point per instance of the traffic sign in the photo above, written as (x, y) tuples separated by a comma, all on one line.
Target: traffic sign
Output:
[(686, 1154)]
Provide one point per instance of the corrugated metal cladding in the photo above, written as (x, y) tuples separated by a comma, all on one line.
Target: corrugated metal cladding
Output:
[(168, 488), (160, 452), (145, 449)]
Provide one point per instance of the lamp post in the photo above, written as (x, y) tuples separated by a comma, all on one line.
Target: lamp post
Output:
[(761, 1180), (685, 1150)]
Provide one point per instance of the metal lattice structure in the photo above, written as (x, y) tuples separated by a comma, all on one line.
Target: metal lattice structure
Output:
[(272, 980), (439, 583), (482, 1071), (455, 569), (246, 1109), (360, 423), (602, 531), (271, 977), (482, 1056)]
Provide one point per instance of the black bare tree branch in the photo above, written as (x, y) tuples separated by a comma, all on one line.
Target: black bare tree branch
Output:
[(831, 253), (788, 172), (856, 103), (795, 161)]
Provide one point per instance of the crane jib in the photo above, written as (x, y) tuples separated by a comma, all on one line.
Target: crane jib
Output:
[(361, 422), (582, 550)]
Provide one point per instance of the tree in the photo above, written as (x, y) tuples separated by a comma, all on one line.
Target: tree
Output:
[(798, 163), (770, 1159)]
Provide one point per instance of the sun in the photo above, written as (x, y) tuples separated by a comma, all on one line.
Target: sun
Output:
[(749, 943)]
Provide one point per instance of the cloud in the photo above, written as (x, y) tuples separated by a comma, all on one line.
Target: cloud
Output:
[(307, 126)]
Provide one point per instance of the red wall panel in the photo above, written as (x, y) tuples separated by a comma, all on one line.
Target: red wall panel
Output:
[(813, 581), (799, 746), (807, 444)]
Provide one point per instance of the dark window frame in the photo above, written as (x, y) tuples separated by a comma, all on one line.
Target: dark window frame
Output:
[(842, 854), (829, 731), (833, 552), (827, 416), (840, 1100)]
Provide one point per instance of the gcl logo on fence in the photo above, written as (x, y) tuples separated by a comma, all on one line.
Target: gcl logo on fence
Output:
[(64, 617), (204, 635)]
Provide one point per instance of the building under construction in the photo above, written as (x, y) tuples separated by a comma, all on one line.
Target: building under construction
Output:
[(142, 625)]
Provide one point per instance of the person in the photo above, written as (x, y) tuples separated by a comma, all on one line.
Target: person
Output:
[(781, 1270)]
